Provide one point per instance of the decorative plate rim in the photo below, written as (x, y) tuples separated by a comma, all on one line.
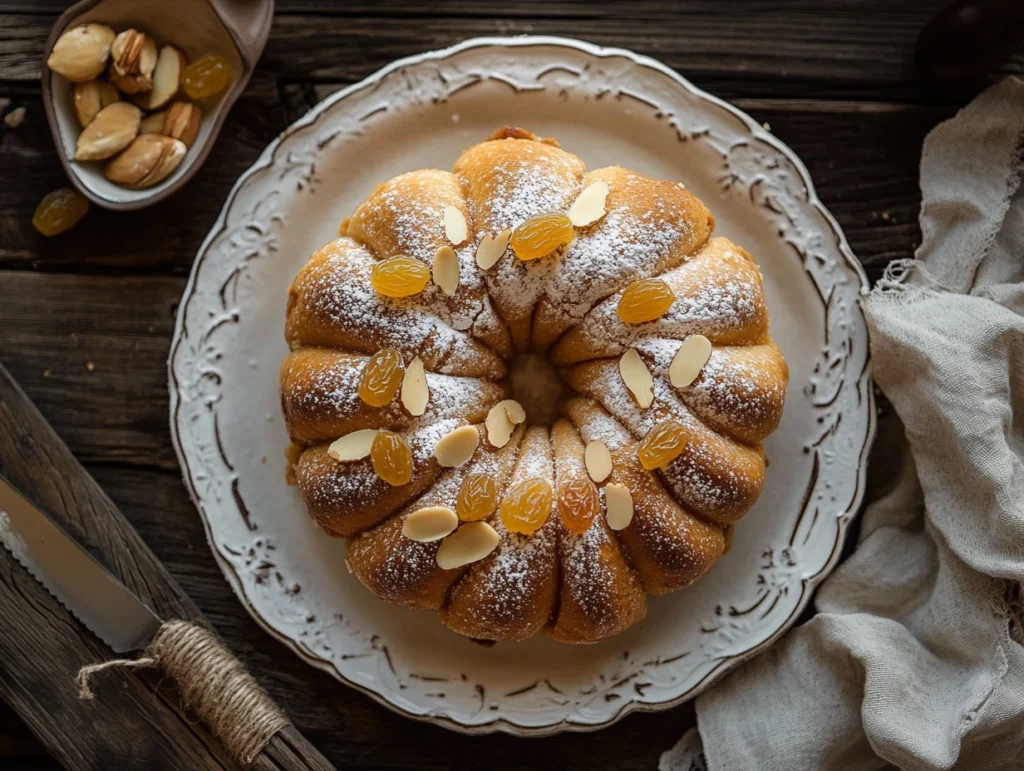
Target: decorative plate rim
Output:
[(863, 381)]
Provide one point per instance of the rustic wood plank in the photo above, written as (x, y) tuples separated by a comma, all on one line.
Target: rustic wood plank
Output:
[(862, 156), (835, 81), (161, 239), (137, 718), (352, 729), (43, 646), (845, 50), (99, 372)]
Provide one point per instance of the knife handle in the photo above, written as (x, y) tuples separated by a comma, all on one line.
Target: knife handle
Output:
[(35, 459), (218, 688)]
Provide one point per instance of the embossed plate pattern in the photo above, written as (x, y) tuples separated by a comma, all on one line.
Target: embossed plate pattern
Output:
[(609, 106)]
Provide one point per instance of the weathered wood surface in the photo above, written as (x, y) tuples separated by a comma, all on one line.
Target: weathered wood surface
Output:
[(834, 80), (136, 718)]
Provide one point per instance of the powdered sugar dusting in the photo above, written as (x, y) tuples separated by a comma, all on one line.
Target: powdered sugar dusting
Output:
[(331, 484), (507, 585), (717, 295), (508, 182), (338, 290), (641, 235), (329, 396), (737, 392), (650, 229), (705, 476), (332, 392), (588, 581), (681, 545), (408, 563)]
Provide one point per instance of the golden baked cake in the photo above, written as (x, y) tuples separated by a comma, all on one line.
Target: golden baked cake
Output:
[(529, 394)]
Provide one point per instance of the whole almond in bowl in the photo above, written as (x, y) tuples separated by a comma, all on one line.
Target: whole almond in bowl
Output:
[(133, 58), (147, 161), (130, 84), (112, 130), (182, 122), (80, 54), (166, 79), (133, 53), (92, 96), (154, 123)]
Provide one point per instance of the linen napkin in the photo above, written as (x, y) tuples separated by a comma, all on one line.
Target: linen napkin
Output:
[(914, 658)]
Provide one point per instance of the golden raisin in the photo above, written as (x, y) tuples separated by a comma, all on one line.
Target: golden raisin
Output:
[(59, 211), (381, 377), (391, 458), (578, 503), (662, 445), (478, 497), (399, 276), (645, 300), (539, 236), (527, 506), (206, 76)]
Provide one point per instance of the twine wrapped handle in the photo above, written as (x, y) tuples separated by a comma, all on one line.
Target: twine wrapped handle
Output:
[(213, 684)]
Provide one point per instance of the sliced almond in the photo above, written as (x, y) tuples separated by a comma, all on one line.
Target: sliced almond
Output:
[(81, 53), (90, 97), (491, 249), (515, 410), (470, 543), (637, 378), (589, 205), (618, 501), (146, 161), (182, 122), (446, 270), (133, 53), (415, 393), (354, 446), (598, 461), (112, 130), (457, 446), (153, 123), (170, 65), (455, 228), (499, 426), (689, 360), (430, 524)]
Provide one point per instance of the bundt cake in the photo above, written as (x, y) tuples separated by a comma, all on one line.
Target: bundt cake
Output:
[(529, 394)]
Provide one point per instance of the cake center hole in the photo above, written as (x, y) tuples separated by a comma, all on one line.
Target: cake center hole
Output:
[(536, 386)]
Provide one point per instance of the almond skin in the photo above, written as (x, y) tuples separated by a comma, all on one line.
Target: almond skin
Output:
[(80, 54), (153, 123), (166, 79), (130, 84), (134, 53), (146, 161), (112, 130), (182, 122), (91, 97)]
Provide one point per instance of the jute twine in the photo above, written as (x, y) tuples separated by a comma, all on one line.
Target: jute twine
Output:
[(213, 683)]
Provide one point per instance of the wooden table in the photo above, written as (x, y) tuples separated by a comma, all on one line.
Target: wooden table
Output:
[(86, 318)]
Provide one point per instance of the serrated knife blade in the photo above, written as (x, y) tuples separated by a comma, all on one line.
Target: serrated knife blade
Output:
[(104, 605)]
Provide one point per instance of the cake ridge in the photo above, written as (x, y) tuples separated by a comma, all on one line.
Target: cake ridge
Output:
[(579, 587)]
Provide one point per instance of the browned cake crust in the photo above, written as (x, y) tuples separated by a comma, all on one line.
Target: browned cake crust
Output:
[(582, 583)]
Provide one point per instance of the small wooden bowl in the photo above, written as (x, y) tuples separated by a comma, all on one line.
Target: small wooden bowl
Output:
[(235, 29)]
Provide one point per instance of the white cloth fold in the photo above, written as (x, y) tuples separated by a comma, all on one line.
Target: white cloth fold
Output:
[(914, 658)]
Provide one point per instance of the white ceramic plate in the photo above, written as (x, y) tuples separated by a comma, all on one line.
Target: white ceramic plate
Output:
[(610, 107)]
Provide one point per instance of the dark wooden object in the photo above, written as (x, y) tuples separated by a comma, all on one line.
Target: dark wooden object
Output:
[(836, 81), (133, 719)]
